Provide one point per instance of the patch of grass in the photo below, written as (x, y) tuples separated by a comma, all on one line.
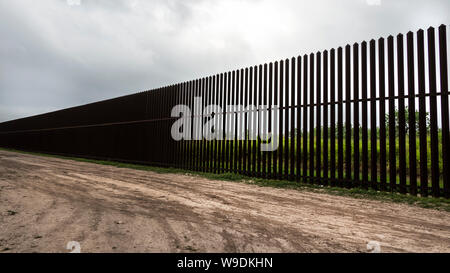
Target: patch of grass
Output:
[(359, 193), (11, 212), (190, 248), (424, 202), (223, 176)]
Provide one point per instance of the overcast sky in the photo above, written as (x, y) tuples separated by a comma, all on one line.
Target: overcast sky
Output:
[(60, 53)]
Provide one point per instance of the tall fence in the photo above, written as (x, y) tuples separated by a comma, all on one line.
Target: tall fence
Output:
[(371, 115)]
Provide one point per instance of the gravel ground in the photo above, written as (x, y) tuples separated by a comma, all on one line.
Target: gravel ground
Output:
[(47, 202)]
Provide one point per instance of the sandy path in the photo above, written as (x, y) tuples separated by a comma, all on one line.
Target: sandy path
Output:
[(47, 202)]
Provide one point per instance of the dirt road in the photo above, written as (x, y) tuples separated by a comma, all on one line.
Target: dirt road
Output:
[(47, 202)]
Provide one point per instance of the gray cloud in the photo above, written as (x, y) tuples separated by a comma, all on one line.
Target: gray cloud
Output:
[(54, 55)]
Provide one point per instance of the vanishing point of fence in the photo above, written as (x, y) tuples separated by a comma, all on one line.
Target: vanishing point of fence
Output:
[(371, 115)]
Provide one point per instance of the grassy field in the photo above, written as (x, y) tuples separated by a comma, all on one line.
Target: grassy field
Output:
[(285, 146)]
